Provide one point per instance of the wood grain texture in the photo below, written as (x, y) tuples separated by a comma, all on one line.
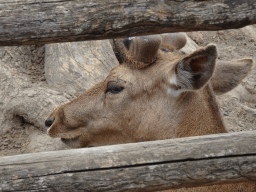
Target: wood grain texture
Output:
[(51, 21), (146, 166)]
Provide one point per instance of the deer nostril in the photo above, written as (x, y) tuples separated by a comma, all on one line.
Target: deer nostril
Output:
[(49, 122)]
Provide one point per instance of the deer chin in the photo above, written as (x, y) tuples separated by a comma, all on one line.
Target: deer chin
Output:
[(73, 143)]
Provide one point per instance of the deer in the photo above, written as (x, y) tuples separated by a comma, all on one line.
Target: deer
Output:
[(158, 92)]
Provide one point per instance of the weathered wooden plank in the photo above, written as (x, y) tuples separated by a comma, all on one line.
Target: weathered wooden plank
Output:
[(49, 21), (156, 165)]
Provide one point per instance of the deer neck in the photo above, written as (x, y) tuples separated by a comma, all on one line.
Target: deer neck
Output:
[(202, 117)]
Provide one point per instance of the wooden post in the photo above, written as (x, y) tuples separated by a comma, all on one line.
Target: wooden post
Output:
[(145, 166), (40, 21)]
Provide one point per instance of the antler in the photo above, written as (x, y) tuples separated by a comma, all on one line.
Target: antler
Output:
[(173, 41), (142, 51)]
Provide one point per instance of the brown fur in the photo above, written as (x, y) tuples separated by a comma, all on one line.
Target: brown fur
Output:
[(169, 98)]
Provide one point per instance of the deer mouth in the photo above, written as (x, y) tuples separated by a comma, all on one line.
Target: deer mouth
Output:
[(66, 140), (72, 142)]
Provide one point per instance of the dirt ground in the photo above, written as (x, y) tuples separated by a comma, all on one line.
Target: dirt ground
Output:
[(22, 136)]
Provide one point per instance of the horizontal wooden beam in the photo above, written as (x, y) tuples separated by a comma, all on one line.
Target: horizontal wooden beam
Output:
[(51, 21), (145, 166)]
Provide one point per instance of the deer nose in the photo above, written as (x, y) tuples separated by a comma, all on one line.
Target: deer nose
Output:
[(49, 122)]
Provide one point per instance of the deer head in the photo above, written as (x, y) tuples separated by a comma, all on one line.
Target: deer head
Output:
[(158, 92)]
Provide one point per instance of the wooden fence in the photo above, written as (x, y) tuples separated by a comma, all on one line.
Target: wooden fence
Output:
[(145, 166), (50, 21)]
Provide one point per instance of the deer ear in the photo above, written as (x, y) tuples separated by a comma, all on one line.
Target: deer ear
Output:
[(142, 51), (229, 74), (193, 71)]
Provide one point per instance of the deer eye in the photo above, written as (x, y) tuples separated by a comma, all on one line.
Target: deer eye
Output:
[(114, 89)]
